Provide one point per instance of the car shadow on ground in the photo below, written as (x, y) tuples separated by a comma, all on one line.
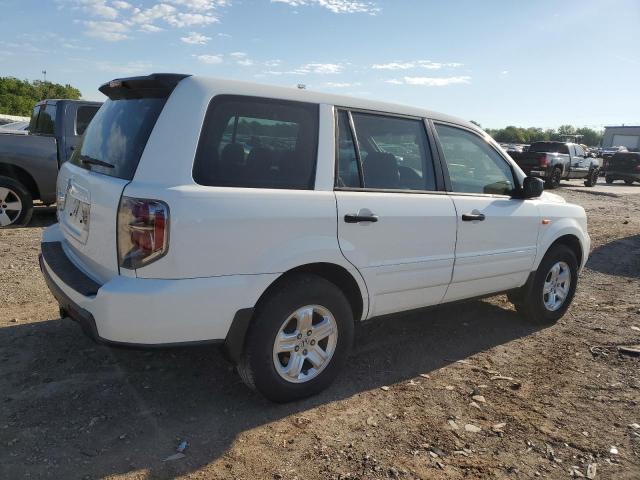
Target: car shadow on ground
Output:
[(43, 216), (620, 257), (76, 408)]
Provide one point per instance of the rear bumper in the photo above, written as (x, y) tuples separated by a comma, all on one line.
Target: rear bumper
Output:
[(149, 312)]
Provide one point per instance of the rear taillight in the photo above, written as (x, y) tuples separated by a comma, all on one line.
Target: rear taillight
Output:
[(143, 231), (637, 168), (542, 159)]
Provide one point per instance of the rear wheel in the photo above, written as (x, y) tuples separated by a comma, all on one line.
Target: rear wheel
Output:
[(16, 204), (592, 178), (554, 180), (546, 299), (299, 339), (628, 181), (608, 179)]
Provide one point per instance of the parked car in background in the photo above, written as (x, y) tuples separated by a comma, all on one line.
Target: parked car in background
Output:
[(17, 128), (29, 163), (269, 228), (623, 166), (555, 161), (607, 153)]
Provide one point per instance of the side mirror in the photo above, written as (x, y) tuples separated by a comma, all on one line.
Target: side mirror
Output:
[(532, 187)]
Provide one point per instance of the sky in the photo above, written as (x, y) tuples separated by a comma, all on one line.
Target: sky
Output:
[(539, 63)]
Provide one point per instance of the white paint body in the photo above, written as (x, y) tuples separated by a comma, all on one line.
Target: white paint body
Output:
[(228, 245)]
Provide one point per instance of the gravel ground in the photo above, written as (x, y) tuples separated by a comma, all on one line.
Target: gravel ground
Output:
[(467, 391)]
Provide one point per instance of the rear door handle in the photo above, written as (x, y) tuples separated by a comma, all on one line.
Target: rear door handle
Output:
[(470, 217), (355, 218)]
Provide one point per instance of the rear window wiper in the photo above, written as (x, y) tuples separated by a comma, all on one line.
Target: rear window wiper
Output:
[(94, 161)]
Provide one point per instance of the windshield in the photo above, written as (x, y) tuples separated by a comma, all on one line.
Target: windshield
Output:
[(549, 147), (116, 137)]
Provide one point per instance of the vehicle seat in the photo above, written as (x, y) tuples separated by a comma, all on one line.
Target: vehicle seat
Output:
[(295, 170), (231, 162), (259, 163), (381, 170)]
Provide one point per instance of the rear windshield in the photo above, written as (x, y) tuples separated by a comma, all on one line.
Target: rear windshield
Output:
[(116, 137), (549, 147)]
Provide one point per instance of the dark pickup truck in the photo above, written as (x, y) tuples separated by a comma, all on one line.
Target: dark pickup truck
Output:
[(555, 161), (29, 164)]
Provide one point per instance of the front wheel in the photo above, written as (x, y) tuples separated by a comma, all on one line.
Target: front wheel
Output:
[(554, 180), (550, 293), (16, 204), (592, 178), (298, 340), (628, 181), (608, 179)]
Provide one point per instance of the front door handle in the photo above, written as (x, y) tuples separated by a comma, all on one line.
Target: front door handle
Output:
[(356, 218), (470, 217)]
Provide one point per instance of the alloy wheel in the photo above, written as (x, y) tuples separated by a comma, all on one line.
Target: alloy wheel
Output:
[(10, 206), (305, 344), (556, 286)]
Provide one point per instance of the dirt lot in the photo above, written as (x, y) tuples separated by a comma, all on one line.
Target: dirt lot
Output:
[(549, 402)]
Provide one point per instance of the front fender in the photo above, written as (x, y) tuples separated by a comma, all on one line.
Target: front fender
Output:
[(559, 227)]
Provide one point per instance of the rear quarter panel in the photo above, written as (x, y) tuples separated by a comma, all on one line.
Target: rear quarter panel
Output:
[(35, 154)]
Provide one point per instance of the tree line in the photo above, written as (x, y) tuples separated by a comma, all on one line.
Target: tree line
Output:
[(513, 134), (17, 97)]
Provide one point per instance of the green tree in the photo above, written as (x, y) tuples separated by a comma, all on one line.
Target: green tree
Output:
[(17, 97)]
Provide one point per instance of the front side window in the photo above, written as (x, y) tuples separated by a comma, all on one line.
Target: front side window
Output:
[(579, 151), (258, 143), (474, 166), (394, 153)]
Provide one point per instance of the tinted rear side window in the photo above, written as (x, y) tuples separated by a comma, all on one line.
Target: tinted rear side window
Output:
[(257, 143), (83, 117), (43, 119), (118, 135)]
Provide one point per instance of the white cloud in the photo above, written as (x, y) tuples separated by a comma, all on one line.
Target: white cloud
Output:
[(195, 38), (336, 6), (99, 8), (321, 68), (415, 64), (241, 59), (110, 31), (120, 5), (129, 68), (272, 63), (342, 84), (430, 81), (209, 59), (317, 68), (150, 15), (188, 19), (200, 5), (150, 28), (504, 72)]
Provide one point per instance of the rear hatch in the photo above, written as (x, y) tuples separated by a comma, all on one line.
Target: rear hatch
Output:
[(624, 163), (91, 183)]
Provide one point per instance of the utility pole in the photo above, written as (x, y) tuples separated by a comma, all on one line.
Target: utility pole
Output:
[(44, 73)]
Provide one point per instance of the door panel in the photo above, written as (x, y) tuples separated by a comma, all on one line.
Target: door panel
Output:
[(497, 253), (406, 256)]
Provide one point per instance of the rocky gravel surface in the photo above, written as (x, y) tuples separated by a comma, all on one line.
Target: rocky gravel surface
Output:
[(469, 391)]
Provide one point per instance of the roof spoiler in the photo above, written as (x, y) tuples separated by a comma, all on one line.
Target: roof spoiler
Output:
[(156, 85)]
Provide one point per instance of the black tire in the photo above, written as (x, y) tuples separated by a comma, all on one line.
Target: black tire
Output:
[(529, 300), (608, 179), (628, 181), (257, 366), (592, 178), (17, 191), (554, 180)]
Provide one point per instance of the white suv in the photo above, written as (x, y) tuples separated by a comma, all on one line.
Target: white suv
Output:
[(273, 219)]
